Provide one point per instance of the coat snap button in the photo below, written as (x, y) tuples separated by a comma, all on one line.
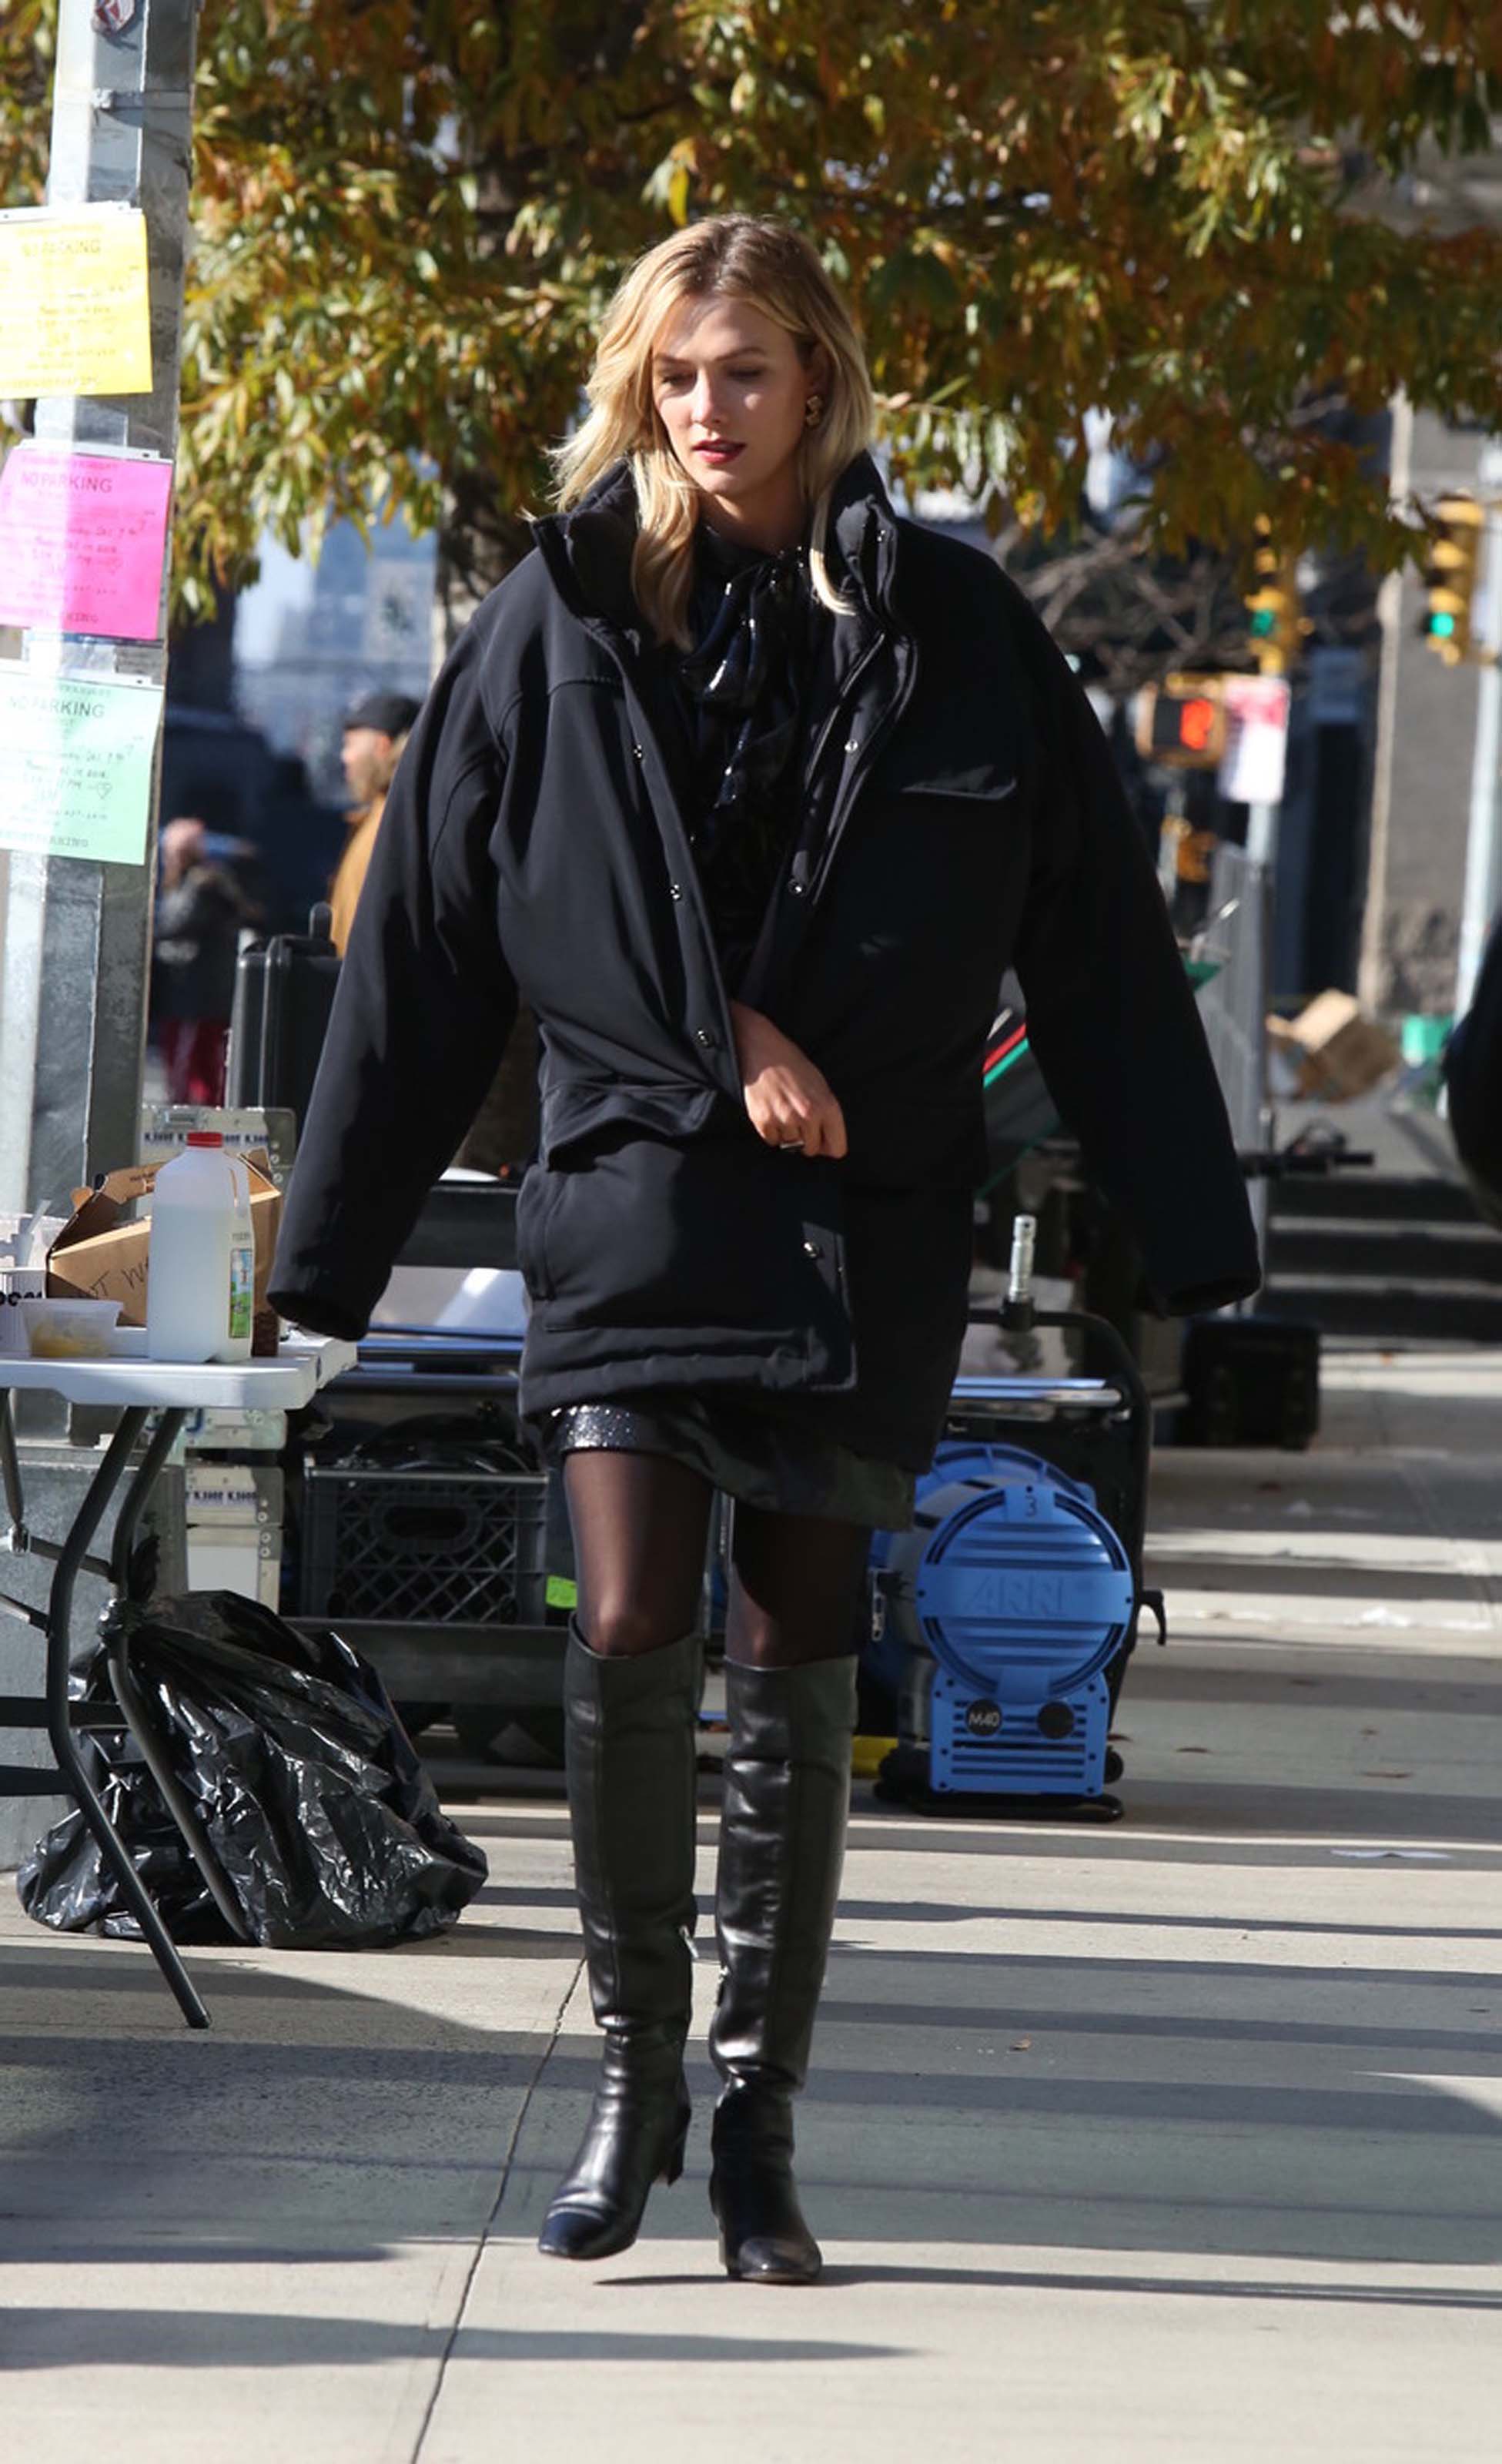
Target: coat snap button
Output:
[(703, 1036), (798, 888), (675, 890), (637, 753), (853, 744), (811, 1249)]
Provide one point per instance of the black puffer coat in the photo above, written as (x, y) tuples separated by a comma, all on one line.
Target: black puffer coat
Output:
[(533, 839)]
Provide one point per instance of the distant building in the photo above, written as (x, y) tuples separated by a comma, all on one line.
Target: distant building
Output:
[(1415, 881), (366, 623)]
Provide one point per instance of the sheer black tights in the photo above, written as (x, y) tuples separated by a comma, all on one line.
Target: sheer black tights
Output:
[(641, 1526), (795, 1587)]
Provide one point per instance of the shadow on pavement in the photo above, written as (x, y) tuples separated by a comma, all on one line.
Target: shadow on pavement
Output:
[(1011, 2279), (1179, 2107), (274, 2339)]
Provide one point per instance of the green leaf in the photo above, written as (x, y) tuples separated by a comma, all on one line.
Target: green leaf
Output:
[(409, 215)]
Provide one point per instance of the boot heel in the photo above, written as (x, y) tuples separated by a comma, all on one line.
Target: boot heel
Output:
[(674, 2165)]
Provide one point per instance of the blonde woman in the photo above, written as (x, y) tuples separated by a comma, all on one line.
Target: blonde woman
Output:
[(752, 790)]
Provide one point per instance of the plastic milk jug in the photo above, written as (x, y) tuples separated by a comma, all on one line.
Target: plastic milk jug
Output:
[(201, 1260)]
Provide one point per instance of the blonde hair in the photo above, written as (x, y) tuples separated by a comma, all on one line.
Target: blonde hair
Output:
[(773, 268)]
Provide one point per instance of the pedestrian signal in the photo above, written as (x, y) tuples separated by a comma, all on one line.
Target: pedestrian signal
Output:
[(1273, 607), (1182, 722), (1450, 578)]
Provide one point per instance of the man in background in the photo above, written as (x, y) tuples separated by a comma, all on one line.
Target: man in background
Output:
[(200, 908), (375, 732)]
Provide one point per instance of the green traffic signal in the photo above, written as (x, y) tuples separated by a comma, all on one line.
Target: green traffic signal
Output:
[(1449, 576), (1274, 626)]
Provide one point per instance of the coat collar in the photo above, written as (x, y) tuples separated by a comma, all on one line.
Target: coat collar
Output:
[(863, 540), (587, 550)]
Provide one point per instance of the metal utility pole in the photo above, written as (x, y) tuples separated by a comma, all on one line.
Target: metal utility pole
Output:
[(1372, 974), (1262, 821), (1276, 637), (1483, 893), (76, 934)]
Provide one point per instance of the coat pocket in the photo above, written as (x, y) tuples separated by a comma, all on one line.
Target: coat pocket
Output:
[(969, 764), (980, 786), (537, 1189), (581, 1112), (711, 1237)]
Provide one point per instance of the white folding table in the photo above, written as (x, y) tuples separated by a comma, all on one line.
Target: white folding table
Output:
[(137, 1389)]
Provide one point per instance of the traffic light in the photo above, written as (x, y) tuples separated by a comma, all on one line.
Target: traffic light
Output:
[(1272, 606), (1450, 578), (1182, 722)]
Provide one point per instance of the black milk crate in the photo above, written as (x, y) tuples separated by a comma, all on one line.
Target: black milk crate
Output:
[(456, 1545)]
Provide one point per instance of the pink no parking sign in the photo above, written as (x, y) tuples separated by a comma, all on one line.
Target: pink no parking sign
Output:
[(83, 537)]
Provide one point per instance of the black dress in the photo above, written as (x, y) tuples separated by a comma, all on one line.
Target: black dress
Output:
[(735, 709)]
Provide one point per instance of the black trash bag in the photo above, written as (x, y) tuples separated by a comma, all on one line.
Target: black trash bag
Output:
[(326, 1825), (65, 1881)]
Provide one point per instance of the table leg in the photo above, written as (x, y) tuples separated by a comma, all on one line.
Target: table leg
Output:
[(134, 1501), (128, 1695), (10, 1467), (59, 1728), (174, 1796)]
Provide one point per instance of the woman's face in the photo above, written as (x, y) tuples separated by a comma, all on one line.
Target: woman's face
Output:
[(733, 392)]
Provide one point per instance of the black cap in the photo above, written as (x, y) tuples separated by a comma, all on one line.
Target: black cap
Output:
[(390, 714)]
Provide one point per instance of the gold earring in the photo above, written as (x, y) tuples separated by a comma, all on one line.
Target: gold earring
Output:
[(814, 410)]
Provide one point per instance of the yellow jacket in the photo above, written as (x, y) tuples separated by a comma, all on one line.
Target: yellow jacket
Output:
[(348, 878)]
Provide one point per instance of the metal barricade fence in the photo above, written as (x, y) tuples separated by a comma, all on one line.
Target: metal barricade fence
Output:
[(1236, 939)]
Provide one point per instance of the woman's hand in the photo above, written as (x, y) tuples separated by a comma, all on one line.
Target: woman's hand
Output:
[(790, 1102)]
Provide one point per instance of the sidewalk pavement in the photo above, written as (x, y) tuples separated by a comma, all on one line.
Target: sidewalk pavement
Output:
[(1181, 2139)]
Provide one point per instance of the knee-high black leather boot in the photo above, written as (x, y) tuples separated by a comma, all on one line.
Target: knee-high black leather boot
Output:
[(631, 1732), (787, 1792)]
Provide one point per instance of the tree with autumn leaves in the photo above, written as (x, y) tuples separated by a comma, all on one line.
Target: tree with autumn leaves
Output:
[(408, 215)]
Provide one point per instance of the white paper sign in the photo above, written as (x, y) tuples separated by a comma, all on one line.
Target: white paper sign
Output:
[(1256, 740), (75, 755)]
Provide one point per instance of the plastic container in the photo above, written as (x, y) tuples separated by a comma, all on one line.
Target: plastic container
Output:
[(67, 1329), (201, 1262), (18, 1284), (1422, 1038), (242, 1271)]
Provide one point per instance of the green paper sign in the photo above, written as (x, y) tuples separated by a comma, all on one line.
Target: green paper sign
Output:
[(76, 757)]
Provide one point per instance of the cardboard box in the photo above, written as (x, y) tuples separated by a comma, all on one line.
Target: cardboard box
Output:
[(102, 1255), (1336, 1053)]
